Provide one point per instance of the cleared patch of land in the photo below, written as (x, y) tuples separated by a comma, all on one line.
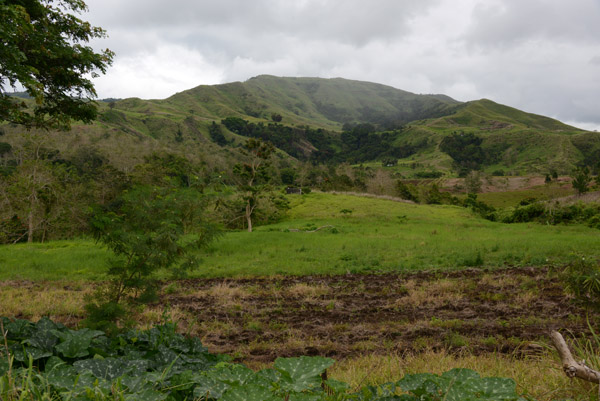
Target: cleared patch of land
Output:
[(259, 319)]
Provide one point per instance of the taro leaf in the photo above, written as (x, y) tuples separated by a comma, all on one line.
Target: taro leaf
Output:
[(493, 388), (460, 375), (22, 353), (164, 358), (75, 344), (233, 374), (147, 395), (422, 384), (267, 377), (337, 386), (111, 368), (87, 382), (62, 377), (301, 373), (304, 397), (4, 366), (45, 324), (249, 392), (209, 388), (18, 329)]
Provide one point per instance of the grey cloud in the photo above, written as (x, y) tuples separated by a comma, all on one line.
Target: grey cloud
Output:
[(538, 55), (511, 22)]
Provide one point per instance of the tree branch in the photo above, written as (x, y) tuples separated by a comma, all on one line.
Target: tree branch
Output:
[(571, 367)]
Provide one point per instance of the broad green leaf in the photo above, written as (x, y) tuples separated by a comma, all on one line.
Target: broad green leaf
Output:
[(62, 377), (4, 366), (209, 388), (248, 392), (110, 368), (22, 353), (147, 395), (337, 386), (493, 388), (302, 373), (460, 375)]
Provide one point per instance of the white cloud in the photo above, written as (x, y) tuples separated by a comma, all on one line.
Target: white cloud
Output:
[(158, 74)]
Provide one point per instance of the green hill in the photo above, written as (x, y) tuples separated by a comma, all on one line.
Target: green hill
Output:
[(326, 103), (414, 126)]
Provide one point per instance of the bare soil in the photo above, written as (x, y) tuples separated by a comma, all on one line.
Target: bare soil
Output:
[(257, 320)]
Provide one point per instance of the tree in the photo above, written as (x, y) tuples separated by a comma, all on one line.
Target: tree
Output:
[(148, 229), (253, 175), (35, 189), (43, 50), (581, 179), (473, 182)]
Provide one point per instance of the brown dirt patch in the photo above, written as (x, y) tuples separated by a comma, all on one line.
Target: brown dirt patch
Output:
[(344, 316)]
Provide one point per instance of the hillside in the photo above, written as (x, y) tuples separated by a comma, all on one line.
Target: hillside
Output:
[(416, 124)]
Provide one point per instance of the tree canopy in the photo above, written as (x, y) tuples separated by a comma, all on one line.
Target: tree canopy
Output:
[(43, 50)]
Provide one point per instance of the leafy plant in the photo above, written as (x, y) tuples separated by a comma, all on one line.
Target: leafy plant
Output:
[(149, 228), (46, 360)]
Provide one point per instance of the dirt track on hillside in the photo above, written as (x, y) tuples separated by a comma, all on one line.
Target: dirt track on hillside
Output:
[(257, 320)]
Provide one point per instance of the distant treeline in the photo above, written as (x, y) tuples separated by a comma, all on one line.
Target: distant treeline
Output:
[(357, 143)]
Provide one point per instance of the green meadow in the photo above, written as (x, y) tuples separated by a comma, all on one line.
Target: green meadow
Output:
[(358, 234)]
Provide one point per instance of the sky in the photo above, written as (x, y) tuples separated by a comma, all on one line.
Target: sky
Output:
[(541, 56)]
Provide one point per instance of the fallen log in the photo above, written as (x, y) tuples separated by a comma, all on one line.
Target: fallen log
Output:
[(571, 367)]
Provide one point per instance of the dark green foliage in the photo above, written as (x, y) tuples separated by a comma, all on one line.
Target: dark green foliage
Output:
[(149, 365), (530, 210), (405, 192), (160, 364), (429, 174), (582, 279), (479, 207), (357, 143), (151, 228), (12, 230), (581, 179), (5, 148), (276, 117), (467, 152), (217, 135), (43, 50), (288, 176)]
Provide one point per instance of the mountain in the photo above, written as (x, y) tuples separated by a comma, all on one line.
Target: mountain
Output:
[(325, 103), (382, 123)]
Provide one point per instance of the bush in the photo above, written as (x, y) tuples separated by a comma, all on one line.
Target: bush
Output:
[(582, 279)]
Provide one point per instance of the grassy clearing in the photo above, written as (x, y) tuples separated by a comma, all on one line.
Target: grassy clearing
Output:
[(540, 377), (512, 198), (378, 235)]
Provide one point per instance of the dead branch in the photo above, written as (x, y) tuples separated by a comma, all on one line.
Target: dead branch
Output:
[(296, 230), (571, 367)]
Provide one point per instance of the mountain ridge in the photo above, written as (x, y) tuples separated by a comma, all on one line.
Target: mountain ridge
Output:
[(415, 124)]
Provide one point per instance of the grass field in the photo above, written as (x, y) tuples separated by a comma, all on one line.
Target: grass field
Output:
[(378, 326), (373, 235)]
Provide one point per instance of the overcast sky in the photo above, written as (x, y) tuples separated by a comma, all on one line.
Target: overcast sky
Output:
[(541, 56)]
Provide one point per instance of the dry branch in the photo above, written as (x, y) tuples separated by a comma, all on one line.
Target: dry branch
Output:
[(309, 231), (571, 367)]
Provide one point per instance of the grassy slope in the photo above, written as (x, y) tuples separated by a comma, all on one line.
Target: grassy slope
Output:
[(379, 235), (531, 143)]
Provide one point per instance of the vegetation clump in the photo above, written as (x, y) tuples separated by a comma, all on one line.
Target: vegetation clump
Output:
[(45, 360)]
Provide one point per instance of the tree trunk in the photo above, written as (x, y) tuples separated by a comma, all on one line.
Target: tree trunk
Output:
[(249, 216), (30, 227)]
